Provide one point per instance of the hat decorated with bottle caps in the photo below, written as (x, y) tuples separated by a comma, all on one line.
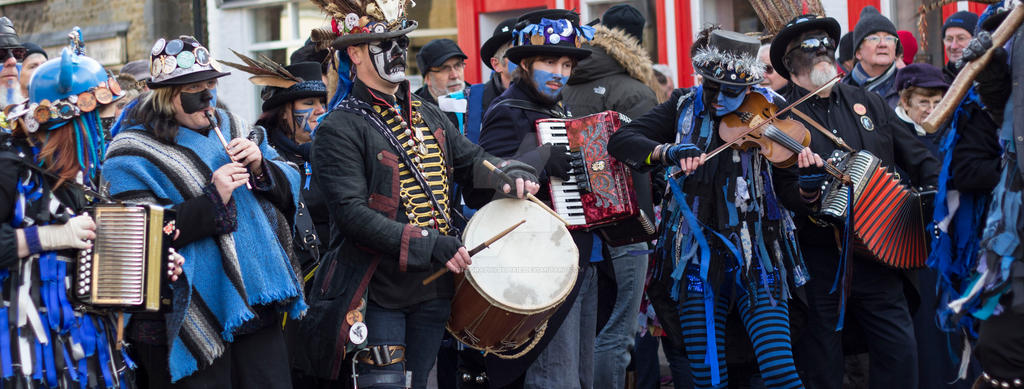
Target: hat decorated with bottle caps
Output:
[(181, 61), (730, 58), (355, 22), (64, 88), (554, 32)]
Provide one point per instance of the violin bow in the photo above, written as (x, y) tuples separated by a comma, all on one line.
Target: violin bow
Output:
[(728, 144)]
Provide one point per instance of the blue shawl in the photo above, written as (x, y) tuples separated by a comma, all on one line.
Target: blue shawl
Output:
[(227, 274)]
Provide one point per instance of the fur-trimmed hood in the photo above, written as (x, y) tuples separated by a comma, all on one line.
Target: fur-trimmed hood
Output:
[(614, 52)]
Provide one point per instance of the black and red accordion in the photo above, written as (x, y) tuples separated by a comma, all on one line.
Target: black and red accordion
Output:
[(599, 195), (887, 217)]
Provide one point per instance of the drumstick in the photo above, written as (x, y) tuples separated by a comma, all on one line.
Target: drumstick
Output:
[(529, 196), (475, 250), (223, 142)]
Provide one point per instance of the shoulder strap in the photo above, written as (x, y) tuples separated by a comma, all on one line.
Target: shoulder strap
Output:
[(531, 106), (814, 123)]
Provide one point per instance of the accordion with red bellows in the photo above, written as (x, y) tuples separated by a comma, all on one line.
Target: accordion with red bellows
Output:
[(886, 214), (599, 194)]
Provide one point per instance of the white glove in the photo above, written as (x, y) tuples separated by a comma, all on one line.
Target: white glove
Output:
[(70, 235)]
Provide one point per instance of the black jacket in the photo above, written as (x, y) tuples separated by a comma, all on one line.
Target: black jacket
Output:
[(878, 131), (356, 169), (315, 203), (492, 89)]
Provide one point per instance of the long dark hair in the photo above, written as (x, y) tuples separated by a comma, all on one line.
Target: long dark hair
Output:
[(155, 112), (274, 121)]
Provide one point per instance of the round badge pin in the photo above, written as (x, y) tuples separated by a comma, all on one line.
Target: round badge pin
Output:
[(156, 66), (186, 59), (554, 39), (30, 124), (537, 40), (115, 88), (170, 63), (42, 113), (158, 47), (353, 317), (860, 109), (103, 95), (65, 110), (867, 123), (86, 102), (174, 47), (202, 56), (351, 20), (357, 334)]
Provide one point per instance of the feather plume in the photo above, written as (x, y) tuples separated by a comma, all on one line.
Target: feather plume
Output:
[(337, 9), (264, 71), (322, 37)]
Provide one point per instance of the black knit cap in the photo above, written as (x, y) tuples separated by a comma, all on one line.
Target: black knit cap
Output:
[(871, 21), (966, 20), (32, 48), (8, 36), (846, 47), (627, 18)]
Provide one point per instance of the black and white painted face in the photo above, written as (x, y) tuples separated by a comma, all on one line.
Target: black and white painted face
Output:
[(389, 58)]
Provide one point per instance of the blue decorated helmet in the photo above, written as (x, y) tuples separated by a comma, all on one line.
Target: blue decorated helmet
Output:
[(67, 87)]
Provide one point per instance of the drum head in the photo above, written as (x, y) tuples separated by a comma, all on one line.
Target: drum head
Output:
[(532, 268)]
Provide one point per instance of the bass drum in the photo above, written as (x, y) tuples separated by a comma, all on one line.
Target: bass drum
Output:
[(507, 295)]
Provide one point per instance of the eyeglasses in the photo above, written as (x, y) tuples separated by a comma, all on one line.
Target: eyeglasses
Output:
[(386, 45), (17, 52), (875, 39), (961, 39), (811, 45), (458, 66)]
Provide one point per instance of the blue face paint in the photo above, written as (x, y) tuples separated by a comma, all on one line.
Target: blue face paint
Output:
[(729, 104), (213, 103), (301, 117), (512, 67), (541, 78)]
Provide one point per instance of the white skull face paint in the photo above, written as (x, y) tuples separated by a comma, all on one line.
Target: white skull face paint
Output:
[(389, 57)]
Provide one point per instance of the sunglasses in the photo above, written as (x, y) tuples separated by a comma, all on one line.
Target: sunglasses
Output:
[(811, 45), (768, 69), (17, 52)]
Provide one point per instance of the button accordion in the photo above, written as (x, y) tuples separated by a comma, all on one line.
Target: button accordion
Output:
[(887, 218), (599, 194), (126, 268)]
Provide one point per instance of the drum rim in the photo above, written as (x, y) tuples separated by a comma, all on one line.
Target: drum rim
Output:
[(561, 299)]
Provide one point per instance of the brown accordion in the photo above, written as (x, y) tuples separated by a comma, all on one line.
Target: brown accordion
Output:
[(126, 268), (887, 217), (599, 195)]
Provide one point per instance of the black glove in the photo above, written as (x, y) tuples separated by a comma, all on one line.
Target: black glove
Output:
[(992, 83), (445, 248), (678, 152), (558, 164), (811, 178), (512, 169), (976, 48)]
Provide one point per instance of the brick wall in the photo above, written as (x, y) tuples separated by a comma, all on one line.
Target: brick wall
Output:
[(149, 19)]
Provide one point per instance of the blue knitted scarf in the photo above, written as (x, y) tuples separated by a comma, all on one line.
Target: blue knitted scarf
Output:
[(226, 274)]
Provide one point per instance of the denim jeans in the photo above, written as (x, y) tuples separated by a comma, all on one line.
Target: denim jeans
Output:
[(616, 339), (568, 360), (419, 328)]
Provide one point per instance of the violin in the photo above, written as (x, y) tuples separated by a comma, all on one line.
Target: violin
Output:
[(779, 140), (756, 124)]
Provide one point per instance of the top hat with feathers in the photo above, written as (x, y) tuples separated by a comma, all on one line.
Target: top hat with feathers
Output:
[(354, 22)]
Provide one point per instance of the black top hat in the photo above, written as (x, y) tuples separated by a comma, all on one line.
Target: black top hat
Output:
[(8, 36), (311, 86), (730, 58), (181, 61), (502, 34), (792, 30), (554, 32)]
